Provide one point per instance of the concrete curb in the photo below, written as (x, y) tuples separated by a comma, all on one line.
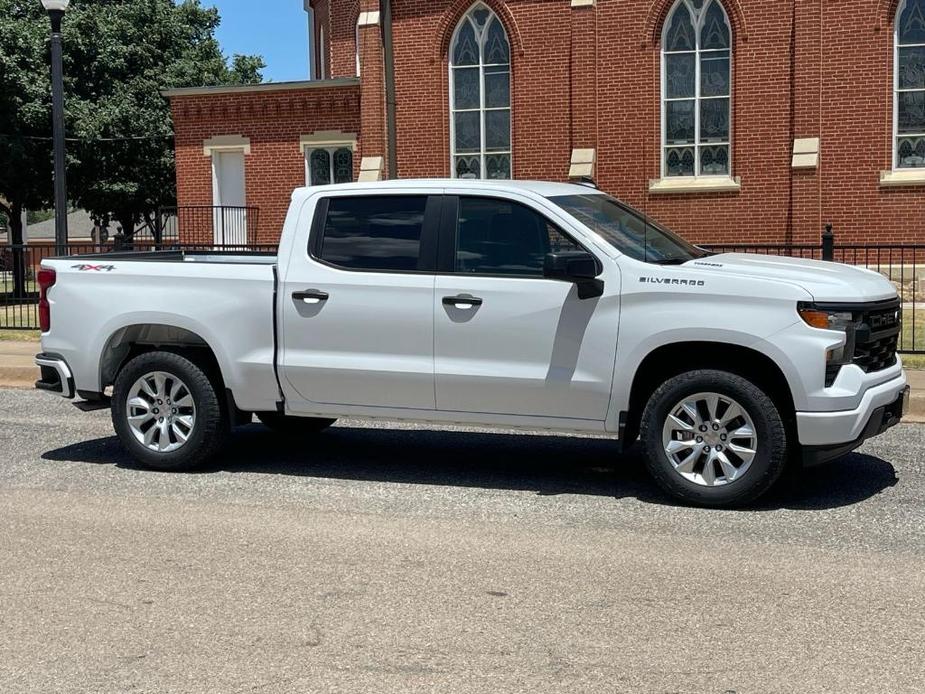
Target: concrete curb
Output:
[(917, 399), (17, 365), (18, 377), (18, 370)]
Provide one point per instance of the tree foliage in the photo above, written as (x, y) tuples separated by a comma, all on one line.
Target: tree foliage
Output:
[(25, 109), (118, 57)]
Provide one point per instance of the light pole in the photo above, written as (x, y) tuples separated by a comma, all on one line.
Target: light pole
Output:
[(56, 10)]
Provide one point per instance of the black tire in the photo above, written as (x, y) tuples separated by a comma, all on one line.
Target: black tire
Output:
[(293, 426), (211, 425), (770, 455)]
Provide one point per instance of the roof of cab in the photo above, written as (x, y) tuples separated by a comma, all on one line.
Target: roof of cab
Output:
[(544, 188)]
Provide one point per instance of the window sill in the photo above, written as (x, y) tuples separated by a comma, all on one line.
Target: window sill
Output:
[(692, 184), (902, 177)]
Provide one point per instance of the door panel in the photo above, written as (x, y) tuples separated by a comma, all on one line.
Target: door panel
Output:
[(362, 336), (507, 340), (531, 348), (369, 343)]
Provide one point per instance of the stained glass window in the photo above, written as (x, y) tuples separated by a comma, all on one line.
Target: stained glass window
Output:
[(326, 165), (343, 165), (319, 167), (480, 96), (696, 89), (910, 85)]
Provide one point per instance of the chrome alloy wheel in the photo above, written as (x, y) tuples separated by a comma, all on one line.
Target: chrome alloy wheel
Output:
[(710, 439), (161, 412)]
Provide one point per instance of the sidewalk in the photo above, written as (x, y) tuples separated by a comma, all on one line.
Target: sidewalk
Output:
[(17, 365), (18, 370), (917, 402)]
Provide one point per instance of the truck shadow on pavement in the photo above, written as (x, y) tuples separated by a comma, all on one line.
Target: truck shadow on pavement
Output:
[(546, 465)]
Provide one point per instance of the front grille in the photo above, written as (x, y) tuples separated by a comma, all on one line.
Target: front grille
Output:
[(877, 336)]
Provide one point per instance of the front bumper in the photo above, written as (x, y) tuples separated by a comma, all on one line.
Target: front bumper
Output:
[(833, 427), (56, 375), (878, 421)]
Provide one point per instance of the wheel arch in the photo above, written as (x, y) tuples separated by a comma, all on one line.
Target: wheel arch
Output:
[(131, 340), (670, 360)]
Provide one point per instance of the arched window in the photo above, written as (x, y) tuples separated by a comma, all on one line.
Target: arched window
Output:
[(480, 97), (696, 90), (909, 81)]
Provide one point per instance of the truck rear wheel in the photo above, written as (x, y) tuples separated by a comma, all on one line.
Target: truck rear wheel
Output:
[(294, 426), (168, 413), (713, 439)]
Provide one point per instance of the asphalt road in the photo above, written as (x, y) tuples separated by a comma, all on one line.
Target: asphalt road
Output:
[(396, 560)]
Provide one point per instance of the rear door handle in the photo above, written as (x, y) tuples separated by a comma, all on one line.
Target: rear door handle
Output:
[(310, 296), (462, 301)]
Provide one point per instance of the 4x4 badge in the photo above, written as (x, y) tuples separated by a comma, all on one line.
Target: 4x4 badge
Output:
[(93, 268)]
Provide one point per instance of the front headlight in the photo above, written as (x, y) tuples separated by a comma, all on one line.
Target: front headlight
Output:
[(826, 320), (832, 319)]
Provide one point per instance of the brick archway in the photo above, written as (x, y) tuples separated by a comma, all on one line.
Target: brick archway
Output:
[(659, 9), (886, 14), (455, 13)]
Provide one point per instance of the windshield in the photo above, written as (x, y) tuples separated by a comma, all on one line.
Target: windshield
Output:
[(627, 230)]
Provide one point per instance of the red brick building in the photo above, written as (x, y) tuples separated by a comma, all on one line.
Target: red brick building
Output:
[(728, 120)]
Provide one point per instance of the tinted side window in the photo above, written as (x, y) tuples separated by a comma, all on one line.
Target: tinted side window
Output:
[(374, 233), (501, 237)]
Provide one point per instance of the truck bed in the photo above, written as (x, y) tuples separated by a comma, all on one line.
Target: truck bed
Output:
[(182, 256), (225, 300)]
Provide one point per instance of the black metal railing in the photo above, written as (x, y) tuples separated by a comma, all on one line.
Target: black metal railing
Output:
[(221, 226), (191, 224), (902, 264)]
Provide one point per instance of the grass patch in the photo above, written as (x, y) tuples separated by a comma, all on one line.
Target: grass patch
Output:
[(23, 315), (913, 334), (20, 335)]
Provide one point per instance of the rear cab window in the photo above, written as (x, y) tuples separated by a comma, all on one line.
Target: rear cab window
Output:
[(385, 233)]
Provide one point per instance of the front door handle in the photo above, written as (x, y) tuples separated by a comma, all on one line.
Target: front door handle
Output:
[(310, 296), (464, 302)]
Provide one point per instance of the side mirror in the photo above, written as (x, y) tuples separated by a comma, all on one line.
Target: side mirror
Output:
[(578, 267)]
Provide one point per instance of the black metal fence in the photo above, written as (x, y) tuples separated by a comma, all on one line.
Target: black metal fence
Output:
[(220, 226), (903, 265), (19, 265), (201, 224)]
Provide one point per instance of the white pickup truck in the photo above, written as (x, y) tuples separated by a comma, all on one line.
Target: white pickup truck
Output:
[(545, 306)]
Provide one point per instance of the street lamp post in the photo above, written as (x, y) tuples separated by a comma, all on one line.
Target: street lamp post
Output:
[(56, 10)]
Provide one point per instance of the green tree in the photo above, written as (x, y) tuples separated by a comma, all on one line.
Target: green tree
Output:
[(123, 53), (118, 57), (25, 120)]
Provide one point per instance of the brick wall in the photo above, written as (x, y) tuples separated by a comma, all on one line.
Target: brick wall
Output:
[(589, 77), (274, 121), (857, 116)]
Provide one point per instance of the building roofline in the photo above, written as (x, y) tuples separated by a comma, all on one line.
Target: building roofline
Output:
[(263, 87)]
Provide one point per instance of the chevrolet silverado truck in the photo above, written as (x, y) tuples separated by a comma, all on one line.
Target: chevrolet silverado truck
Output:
[(543, 306)]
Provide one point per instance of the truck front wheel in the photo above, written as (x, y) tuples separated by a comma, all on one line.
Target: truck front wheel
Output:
[(713, 438), (167, 411)]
